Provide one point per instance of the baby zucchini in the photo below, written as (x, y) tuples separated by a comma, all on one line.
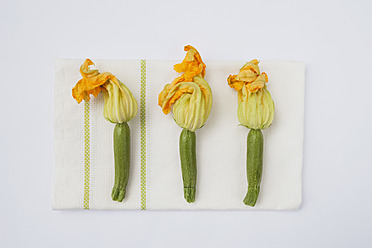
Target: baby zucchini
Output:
[(254, 165), (122, 160), (188, 163)]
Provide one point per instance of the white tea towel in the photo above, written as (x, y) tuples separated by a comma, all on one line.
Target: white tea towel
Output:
[(84, 165)]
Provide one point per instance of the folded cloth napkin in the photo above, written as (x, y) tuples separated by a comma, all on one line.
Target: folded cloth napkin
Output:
[(84, 162)]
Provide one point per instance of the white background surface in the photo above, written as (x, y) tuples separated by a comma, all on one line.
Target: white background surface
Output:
[(333, 38)]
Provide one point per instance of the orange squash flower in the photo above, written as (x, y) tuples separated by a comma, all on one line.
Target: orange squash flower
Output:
[(90, 83), (249, 76), (189, 93)]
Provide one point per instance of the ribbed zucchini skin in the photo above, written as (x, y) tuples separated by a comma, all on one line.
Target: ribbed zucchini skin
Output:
[(188, 163), (254, 165), (122, 160)]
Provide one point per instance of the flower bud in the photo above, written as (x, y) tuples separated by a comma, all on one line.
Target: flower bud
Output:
[(255, 106), (120, 105), (192, 109), (190, 93), (255, 110)]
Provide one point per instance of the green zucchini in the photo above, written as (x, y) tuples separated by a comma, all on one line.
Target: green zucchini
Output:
[(254, 165), (122, 160), (188, 164)]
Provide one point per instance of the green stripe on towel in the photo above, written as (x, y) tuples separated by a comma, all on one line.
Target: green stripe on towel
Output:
[(143, 134), (86, 154)]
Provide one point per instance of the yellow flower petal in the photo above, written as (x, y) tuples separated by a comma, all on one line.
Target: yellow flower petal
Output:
[(234, 83), (192, 65), (90, 83), (259, 83), (251, 65)]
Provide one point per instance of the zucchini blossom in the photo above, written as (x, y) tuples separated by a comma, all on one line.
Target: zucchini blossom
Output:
[(255, 105), (190, 93), (120, 105)]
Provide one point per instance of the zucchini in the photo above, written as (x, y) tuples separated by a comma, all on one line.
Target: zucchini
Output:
[(254, 165), (188, 163), (122, 160)]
